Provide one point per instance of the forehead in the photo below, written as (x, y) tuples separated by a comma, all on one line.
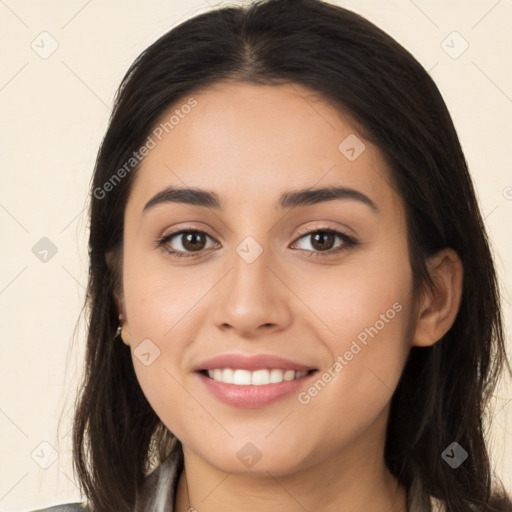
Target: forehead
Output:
[(251, 141)]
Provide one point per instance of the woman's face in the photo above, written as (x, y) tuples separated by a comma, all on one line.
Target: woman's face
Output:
[(264, 280)]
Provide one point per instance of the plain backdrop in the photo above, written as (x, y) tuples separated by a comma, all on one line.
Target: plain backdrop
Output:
[(61, 64)]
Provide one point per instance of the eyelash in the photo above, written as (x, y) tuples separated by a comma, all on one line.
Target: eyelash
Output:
[(348, 243)]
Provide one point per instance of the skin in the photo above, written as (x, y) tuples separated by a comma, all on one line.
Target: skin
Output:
[(249, 144)]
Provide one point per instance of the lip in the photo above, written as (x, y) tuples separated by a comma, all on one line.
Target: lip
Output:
[(250, 396), (251, 363)]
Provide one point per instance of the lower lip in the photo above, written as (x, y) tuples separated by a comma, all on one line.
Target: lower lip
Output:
[(252, 397)]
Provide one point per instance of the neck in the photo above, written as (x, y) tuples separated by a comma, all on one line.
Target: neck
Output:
[(340, 483)]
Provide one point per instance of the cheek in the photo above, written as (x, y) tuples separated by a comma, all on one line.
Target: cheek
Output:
[(366, 299), (364, 317), (159, 301), (160, 297)]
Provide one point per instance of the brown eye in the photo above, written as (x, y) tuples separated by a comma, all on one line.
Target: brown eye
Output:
[(323, 241), (193, 241), (184, 243)]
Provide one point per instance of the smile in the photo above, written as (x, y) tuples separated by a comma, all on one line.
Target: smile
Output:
[(253, 381), (262, 377)]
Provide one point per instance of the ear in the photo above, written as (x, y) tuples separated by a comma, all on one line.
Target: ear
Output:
[(119, 300), (438, 308)]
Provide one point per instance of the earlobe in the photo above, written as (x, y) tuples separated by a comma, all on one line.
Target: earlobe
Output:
[(439, 307), (125, 334), (122, 330), (119, 301), (123, 324)]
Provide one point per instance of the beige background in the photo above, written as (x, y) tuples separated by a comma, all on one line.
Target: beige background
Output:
[(54, 112)]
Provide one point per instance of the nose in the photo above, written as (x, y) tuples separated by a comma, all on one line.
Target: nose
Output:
[(253, 298)]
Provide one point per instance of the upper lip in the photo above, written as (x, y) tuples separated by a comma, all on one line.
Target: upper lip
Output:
[(251, 362)]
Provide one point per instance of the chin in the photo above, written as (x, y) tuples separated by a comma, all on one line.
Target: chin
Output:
[(256, 457)]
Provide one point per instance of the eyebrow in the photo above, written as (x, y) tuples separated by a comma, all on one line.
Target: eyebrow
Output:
[(288, 200)]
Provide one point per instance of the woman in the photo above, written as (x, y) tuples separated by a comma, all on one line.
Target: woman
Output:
[(284, 228)]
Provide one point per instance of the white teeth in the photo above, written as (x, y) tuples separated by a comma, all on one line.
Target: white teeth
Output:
[(289, 375), (276, 376), (227, 376), (242, 377), (260, 377), (255, 378)]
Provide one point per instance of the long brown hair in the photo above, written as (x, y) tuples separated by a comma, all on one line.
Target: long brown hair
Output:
[(444, 391)]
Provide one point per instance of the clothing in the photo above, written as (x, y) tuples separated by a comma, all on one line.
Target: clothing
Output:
[(159, 491), (68, 507)]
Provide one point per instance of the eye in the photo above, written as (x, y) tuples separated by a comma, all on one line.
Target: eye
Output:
[(189, 240), (192, 242), (322, 240)]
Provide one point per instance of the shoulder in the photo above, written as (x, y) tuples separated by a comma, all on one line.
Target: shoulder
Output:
[(66, 507)]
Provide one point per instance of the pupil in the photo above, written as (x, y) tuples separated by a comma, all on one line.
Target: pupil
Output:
[(191, 241), (323, 237)]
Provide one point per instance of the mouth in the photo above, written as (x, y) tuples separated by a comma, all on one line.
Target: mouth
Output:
[(260, 377), (252, 381)]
